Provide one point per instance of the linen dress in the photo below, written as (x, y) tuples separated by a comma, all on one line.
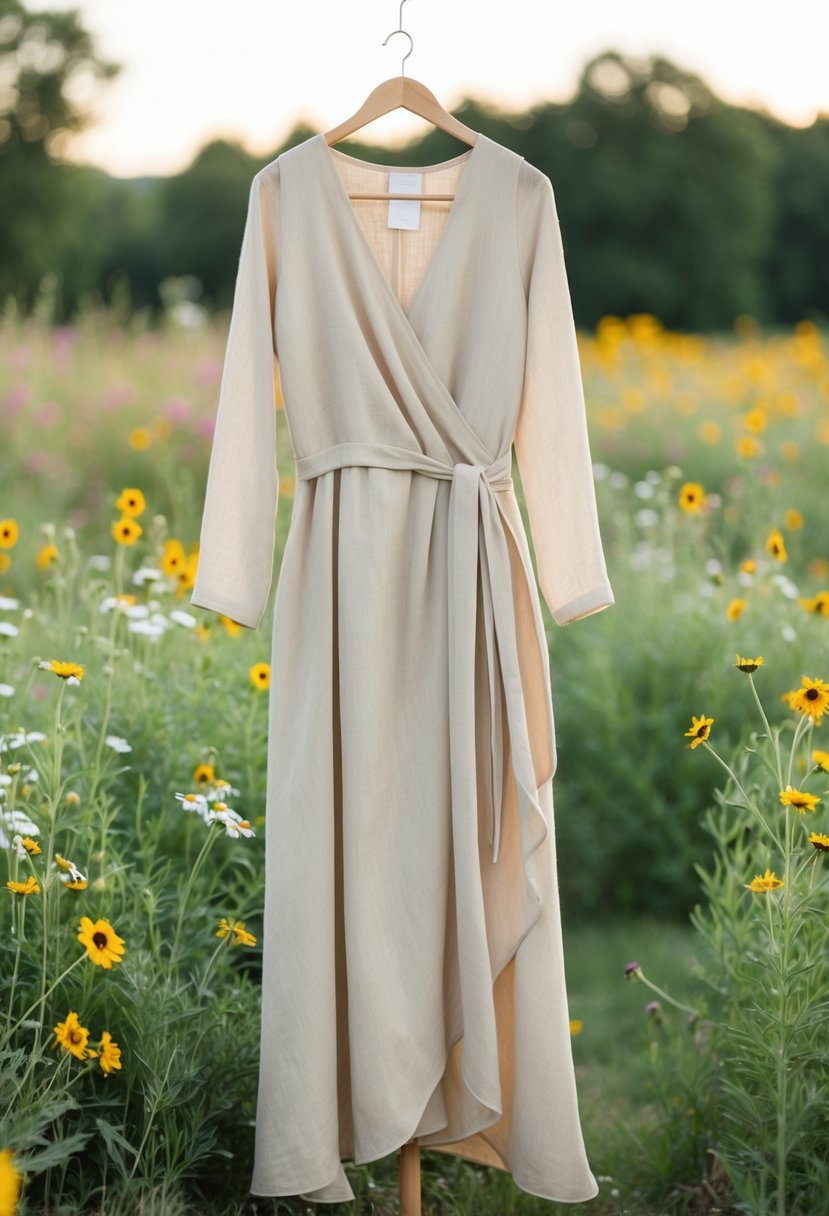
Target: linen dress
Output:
[(413, 975)]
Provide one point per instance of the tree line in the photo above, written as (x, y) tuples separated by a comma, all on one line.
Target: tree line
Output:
[(671, 201)]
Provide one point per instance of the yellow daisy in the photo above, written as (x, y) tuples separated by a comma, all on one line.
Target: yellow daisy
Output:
[(31, 846), (47, 556), (126, 530), (72, 1037), (29, 887), (9, 533), (260, 675), (131, 502), (821, 758), (749, 664), (820, 840), (765, 882), (10, 1180), (103, 945), (776, 545), (109, 1056), (692, 497), (576, 1026), (66, 670), (700, 729), (800, 800), (204, 774), (736, 608), (811, 698)]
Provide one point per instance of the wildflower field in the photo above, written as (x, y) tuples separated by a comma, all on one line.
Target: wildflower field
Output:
[(691, 795)]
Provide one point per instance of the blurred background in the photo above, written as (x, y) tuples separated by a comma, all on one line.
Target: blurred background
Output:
[(689, 148)]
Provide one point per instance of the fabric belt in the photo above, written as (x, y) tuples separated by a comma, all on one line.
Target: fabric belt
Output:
[(475, 533)]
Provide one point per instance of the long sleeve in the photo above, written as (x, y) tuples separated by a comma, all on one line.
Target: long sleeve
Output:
[(551, 441), (236, 548)]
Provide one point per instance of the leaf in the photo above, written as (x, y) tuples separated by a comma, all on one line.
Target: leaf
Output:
[(54, 1154), (113, 1137)]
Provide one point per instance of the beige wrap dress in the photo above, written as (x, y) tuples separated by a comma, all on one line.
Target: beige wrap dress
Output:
[(413, 976)]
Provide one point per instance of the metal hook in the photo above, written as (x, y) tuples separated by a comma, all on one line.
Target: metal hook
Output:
[(400, 30)]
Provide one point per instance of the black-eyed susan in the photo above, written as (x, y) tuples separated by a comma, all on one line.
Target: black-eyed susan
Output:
[(749, 665), (67, 670), (47, 556), (799, 799), (811, 698), (820, 840), (10, 1182), (736, 608), (72, 1037), (817, 604), (9, 533), (776, 545), (131, 502), (260, 675), (103, 945), (764, 882), (108, 1053), (700, 729), (173, 559), (126, 530), (204, 774), (692, 497), (30, 887)]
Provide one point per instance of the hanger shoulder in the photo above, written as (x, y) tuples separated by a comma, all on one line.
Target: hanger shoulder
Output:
[(411, 95)]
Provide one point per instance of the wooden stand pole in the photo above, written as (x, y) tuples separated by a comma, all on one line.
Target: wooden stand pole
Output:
[(409, 1168)]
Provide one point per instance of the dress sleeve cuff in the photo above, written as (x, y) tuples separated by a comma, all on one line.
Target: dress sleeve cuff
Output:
[(220, 603), (585, 605)]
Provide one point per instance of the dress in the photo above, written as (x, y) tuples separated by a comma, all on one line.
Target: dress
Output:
[(413, 975)]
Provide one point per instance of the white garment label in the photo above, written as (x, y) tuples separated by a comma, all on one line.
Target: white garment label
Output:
[(405, 212)]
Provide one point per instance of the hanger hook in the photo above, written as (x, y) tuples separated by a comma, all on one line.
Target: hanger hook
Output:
[(400, 30)]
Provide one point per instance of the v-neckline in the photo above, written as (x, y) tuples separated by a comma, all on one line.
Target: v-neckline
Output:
[(461, 194)]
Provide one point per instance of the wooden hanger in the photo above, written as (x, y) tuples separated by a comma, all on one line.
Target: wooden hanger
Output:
[(411, 95)]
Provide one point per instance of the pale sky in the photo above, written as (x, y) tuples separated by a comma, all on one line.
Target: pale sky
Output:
[(248, 69)]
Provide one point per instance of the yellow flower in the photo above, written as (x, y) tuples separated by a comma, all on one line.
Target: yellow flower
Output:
[(109, 1056), (66, 670), (755, 421), (748, 446), (736, 608), (700, 729), (174, 558), (232, 627), (765, 882), (10, 1180), (576, 1026), (204, 774), (793, 519), (241, 935), (103, 945), (800, 800), (72, 1037), (131, 502), (260, 675), (31, 846), (5, 563), (820, 840), (140, 438), (47, 556), (9, 533), (749, 664), (75, 884), (126, 530), (29, 887), (692, 497), (821, 758), (748, 565), (812, 698), (776, 545), (819, 603)]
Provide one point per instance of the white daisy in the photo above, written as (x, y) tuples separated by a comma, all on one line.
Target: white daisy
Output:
[(7, 604), (8, 629), (117, 743)]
